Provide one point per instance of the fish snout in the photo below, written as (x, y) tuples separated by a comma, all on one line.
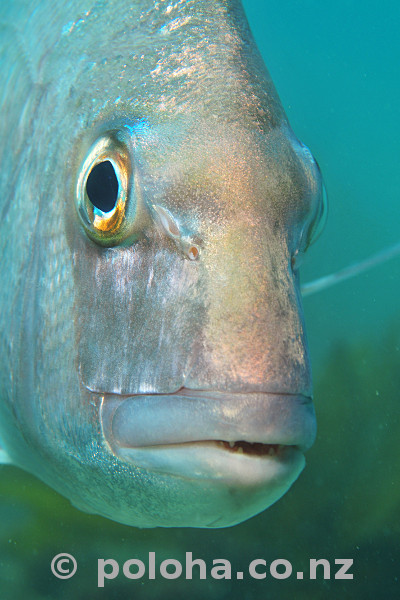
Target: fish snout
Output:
[(252, 336)]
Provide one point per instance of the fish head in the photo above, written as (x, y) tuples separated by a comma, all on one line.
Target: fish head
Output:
[(190, 336), (163, 376)]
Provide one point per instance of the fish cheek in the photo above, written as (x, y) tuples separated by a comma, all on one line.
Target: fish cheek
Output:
[(138, 314)]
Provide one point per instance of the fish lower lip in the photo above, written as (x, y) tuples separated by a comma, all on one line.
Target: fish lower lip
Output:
[(212, 460), (254, 424)]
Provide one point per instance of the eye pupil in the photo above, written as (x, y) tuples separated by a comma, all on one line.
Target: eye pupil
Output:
[(102, 186)]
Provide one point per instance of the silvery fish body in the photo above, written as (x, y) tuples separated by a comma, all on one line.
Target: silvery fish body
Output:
[(154, 202)]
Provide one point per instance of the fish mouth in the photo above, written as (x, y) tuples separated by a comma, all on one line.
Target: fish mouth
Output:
[(245, 439)]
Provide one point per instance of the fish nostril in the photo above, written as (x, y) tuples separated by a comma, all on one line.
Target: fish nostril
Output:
[(193, 253)]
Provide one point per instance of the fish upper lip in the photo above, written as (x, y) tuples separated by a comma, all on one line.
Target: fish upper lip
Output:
[(190, 416)]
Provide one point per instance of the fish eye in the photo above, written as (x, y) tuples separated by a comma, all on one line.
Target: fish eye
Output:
[(316, 226), (105, 198), (102, 186), (312, 230), (319, 221)]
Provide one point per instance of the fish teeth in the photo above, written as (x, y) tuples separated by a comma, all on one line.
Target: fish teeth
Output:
[(231, 444)]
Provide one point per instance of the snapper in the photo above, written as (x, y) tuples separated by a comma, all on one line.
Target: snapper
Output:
[(154, 207)]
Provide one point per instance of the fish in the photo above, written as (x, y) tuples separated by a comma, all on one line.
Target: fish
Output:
[(155, 207)]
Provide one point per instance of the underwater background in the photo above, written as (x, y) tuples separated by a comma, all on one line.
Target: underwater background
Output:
[(336, 68)]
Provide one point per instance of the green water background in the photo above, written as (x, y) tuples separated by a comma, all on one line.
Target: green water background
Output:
[(336, 67)]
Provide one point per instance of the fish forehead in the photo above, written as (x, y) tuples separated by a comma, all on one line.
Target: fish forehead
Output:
[(226, 160), (154, 59)]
